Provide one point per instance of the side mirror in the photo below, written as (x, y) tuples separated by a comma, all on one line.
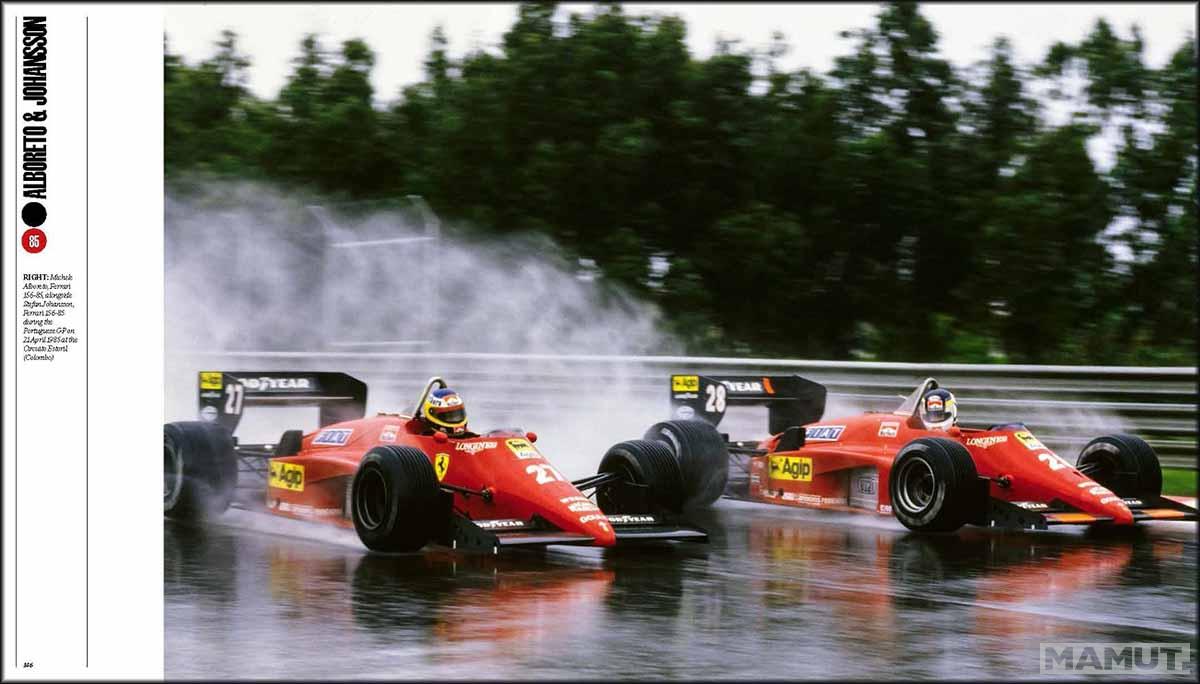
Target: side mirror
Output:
[(531, 436), (440, 437)]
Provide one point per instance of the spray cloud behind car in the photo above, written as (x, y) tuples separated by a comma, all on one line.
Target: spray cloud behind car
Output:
[(251, 267)]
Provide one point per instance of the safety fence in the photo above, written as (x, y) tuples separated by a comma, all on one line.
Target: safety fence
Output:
[(1064, 405)]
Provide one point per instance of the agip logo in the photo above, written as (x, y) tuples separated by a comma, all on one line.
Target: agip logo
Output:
[(210, 380), (685, 383), (795, 468), (289, 476)]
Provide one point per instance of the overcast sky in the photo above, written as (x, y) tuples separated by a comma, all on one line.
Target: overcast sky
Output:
[(399, 34)]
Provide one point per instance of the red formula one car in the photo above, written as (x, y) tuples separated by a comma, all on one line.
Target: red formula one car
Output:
[(930, 480), (401, 486)]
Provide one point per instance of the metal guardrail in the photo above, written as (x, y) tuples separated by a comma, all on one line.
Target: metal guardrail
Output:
[(1065, 405)]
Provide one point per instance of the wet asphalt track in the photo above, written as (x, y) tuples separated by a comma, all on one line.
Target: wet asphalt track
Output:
[(779, 593)]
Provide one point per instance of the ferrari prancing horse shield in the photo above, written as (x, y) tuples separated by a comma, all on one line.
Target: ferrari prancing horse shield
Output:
[(441, 463)]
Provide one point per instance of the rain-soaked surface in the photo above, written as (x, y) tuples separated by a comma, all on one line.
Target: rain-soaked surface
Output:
[(778, 593)]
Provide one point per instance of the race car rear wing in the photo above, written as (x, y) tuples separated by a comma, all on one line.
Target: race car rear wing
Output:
[(790, 399), (223, 395)]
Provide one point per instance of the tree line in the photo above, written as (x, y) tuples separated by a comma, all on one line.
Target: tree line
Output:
[(897, 207)]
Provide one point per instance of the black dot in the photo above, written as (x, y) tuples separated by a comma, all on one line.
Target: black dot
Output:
[(34, 214)]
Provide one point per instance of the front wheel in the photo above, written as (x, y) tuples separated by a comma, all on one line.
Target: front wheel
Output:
[(930, 485), (702, 456), (651, 467), (1125, 464), (394, 500)]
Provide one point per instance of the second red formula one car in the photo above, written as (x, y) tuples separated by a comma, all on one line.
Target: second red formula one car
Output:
[(930, 479), (400, 485)]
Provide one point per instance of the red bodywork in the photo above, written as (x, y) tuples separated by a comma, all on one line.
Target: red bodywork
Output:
[(845, 464), (314, 483)]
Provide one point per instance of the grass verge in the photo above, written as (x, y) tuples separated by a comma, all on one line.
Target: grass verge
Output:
[(1179, 482)]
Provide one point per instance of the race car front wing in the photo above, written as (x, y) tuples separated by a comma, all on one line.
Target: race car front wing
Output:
[(1030, 515), (492, 535)]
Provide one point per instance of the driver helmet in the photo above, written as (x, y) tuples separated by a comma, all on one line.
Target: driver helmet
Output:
[(444, 410), (938, 410)]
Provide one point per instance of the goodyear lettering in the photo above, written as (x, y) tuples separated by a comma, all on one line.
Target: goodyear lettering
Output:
[(797, 468), (589, 518), (1032, 505), (738, 386), (685, 383), (632, 519), (500, 524), (823, 433), (289, 476), (265, 383), (333, 436), (210, 380)]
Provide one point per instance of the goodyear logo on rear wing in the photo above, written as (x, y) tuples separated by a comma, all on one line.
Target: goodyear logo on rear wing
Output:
[(685, 383), (797, 468), (823, 433), (210, 380), (289, 476)]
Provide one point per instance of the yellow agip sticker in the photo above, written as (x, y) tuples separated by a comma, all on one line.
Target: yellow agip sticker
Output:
[(289, 476), (522, 448), (685, 383), (441, 465), (796, 468), (210, 380)]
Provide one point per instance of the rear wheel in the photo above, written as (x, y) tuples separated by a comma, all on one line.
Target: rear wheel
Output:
[(646, 463), (702, 456), (930, 485), (1123, 463), (199, 469), (394, 499)]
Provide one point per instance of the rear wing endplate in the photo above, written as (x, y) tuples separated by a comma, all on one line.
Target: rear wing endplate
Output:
[(224, 395), (790, 399)]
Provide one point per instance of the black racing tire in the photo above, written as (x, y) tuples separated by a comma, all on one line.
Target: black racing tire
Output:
[(199, 469), (644, 462), (931, 485), (702, 455), (395, 500), (1125, 464)]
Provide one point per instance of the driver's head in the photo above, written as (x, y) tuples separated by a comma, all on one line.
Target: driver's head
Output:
[(938, 410), (444, 410)]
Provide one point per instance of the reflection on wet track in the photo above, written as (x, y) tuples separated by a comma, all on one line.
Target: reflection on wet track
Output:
[(777, 594)]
